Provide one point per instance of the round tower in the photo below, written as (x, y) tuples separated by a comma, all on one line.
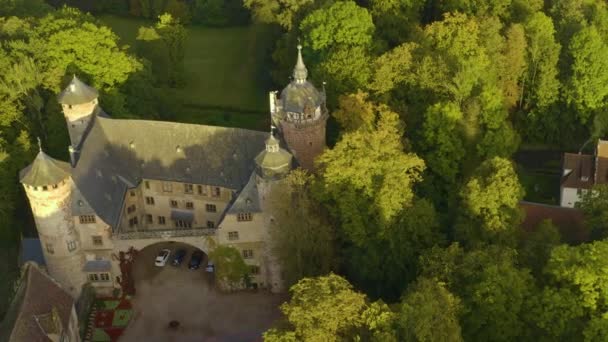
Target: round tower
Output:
[(272, 165), (48, 185), (301, 116), (79, 102)]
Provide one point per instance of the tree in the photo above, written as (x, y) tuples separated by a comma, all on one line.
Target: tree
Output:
[(555, 314), (541, 86), (230, 268), (429, 312), (490, 203), (583, 270), (354, 112), (302, 239), (282, 12), (535, 246), (342, 23), (328, 309), (368, 177), (594, 204), (494, 292), (396, 20), (588, 86), (443, 141)]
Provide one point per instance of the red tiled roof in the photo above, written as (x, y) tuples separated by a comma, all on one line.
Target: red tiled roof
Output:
[(578, 169), (40, 295), (569, 221)]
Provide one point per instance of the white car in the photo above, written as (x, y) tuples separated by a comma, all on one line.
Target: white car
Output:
[(210, 267), (162, 257)]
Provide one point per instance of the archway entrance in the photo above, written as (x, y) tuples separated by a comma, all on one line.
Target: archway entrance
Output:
[(148, 276)]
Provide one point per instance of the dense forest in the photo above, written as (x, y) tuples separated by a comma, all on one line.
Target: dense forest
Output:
[(411, 227)]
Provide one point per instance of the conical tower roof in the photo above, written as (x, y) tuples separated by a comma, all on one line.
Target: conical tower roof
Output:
[(77, 92), (300, 73), (45, 171)]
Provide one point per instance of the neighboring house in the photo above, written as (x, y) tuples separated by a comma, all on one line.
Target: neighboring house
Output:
[(133, 183), (581, 172), (569, 221), (41, 310)]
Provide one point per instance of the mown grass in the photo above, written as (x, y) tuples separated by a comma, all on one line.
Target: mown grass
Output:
[(227, 72)]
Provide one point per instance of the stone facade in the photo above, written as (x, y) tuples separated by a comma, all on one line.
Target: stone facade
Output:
[(60, 240), (196, 194)]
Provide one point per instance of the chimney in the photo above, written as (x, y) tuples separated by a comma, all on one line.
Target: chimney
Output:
[(74, 154)]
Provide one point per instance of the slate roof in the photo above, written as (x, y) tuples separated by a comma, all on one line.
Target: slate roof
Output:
[(44, 171), (569, 221), (31, 250), (37, 295), (97, 266), (118, 154), (77, 92), (248, 200), (578, 171), (273, 161), (296, 96)]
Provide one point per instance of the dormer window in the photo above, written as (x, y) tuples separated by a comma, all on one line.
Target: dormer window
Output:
[(242, 217)]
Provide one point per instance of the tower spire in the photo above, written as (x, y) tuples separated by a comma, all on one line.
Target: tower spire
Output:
[(300, 73)]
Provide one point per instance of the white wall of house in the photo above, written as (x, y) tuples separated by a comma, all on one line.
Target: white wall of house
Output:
[(570, 196)]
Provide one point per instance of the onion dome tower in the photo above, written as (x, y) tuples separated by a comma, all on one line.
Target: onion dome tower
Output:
[(301, 116), (80, 104), (48, 186), (273, 163)]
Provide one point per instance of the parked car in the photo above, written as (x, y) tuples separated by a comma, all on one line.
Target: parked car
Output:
[(210, 267), (178, 257), (162, 257), (195, 260)]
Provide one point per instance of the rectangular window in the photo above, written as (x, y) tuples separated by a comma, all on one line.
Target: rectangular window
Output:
[(133, 222), (132, 193), (216, 192), (97, 240), (167, 187), (104, 276), (131, 209), (161, 220), (189, 205), (71, 246), (93, 277), (247, 253), (200, 189), (55, 186), (147, 184), (173, 203), (244, 217), (188, 188), (149, 218), (182, 224), (233, 235), (150, 200), (45, 188), (87, 219), (211, 208), (50, 249), (253, 269), (210, 224)]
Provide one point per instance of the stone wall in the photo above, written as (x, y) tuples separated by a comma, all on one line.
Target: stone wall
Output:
[(305, 141), (59, 239)]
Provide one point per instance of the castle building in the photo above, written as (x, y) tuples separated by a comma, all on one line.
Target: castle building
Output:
[(134, 183)]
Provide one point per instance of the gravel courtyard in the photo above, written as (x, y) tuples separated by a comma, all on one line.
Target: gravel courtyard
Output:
[(177, 293)]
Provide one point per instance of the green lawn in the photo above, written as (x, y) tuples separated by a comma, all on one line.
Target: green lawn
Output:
[(227, 72)]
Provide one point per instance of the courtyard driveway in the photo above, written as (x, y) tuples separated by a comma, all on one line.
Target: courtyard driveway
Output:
[(177, 293)]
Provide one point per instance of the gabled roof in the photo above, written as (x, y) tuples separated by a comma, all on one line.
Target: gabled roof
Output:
[(248, 200), (569, 221), (77, 92), (36, 296), (577, 171), (44, 171), (118, 154)]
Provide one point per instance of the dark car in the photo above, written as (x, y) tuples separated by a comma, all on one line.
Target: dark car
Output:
[(179, 257), (195, 260)]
